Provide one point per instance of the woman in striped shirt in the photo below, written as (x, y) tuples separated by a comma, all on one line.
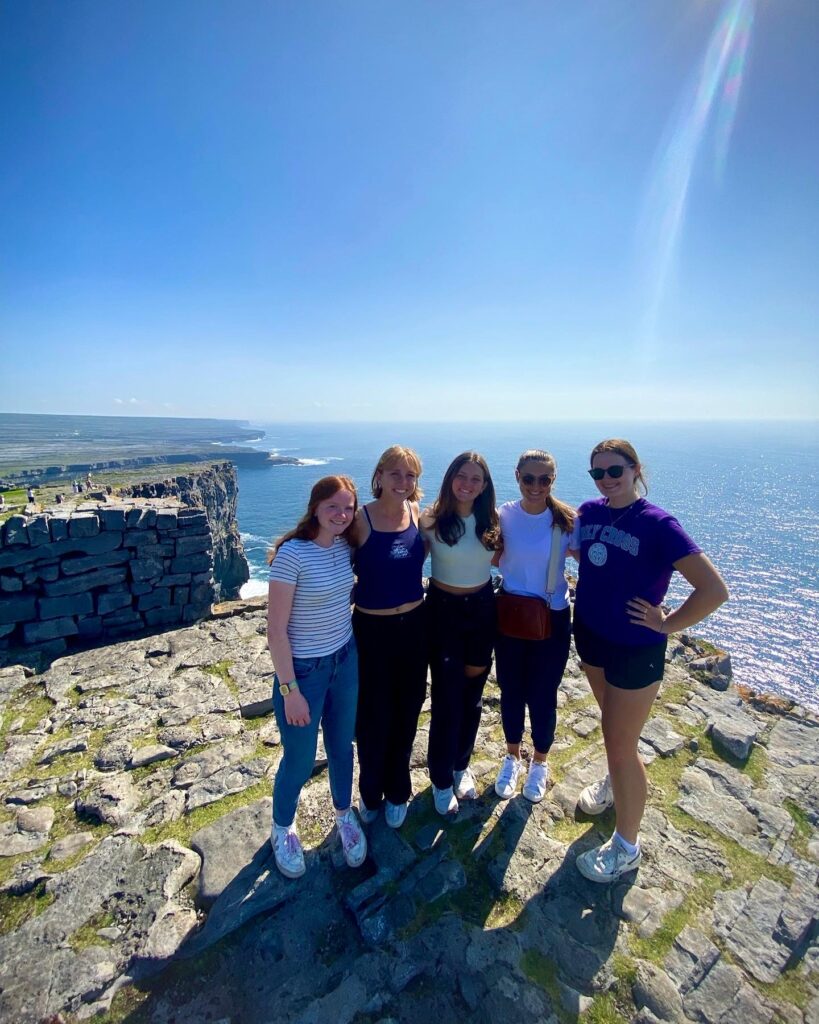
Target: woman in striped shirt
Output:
[(310, 637)]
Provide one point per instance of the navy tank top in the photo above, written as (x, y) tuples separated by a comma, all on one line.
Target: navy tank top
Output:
[(388, 566)]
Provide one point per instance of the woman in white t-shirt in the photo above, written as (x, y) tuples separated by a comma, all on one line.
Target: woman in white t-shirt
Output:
[(529, 671), (309, 633)]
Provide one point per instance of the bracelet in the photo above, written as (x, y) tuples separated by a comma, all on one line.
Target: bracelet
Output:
[(285, 688)]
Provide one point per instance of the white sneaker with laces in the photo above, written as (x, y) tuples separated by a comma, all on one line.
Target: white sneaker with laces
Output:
[(445, 800), (353, 840), (367, 816), (506, 783), (395, 814), (534, 788), (287, 851), (608, 862), (597, 797), (465, 786)]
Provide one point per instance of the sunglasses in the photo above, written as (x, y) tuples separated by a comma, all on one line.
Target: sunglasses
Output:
[(615, 472), (529, 478)]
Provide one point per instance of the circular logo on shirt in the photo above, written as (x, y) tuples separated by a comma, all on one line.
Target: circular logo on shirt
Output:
[(598, 554)]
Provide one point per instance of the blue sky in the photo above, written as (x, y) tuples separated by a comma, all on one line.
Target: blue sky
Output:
[(409, 210)]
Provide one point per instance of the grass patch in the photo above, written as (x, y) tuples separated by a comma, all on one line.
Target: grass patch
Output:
[(36, 708), (221, 669), (802, 828), (604, 1010), (183, 829), (86, 935), (664, 774), (542, 971), (505, 911), (699, 898), (15, 910)]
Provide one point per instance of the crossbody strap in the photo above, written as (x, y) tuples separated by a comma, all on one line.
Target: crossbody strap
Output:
[(554, 559)]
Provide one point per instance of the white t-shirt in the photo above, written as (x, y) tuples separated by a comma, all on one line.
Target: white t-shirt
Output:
[(527, 547), (320, 620)]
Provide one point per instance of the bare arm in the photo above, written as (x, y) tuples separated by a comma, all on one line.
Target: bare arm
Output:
[(279, 606), (708, 594)]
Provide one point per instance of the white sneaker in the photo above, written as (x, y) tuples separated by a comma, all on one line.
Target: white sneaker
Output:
[(445, 800), (597, 797), (506, 783), (353, 840), (287, 851), (395, 814), (367, 816), (608, 862), (534, 788), (465, 786)]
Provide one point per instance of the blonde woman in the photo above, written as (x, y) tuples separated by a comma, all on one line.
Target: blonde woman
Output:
[(390, 631)]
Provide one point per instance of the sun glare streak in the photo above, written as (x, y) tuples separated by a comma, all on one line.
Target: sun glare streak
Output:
[(716, 85)]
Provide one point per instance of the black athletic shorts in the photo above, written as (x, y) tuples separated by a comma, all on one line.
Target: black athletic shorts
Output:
[(625, 666)]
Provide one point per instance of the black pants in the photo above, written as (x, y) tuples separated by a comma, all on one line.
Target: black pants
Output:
[(461, 632), (392, 685), (529, 673)]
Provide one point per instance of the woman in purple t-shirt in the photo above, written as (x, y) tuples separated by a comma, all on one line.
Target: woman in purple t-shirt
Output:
[(628, 550)]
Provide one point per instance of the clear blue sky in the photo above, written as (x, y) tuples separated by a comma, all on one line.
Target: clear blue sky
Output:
[(409, 210)]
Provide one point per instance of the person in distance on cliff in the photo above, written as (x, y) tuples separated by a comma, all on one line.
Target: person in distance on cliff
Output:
[(628, 550), (314, 653), (461, 530), (535, 534), (390, 630)]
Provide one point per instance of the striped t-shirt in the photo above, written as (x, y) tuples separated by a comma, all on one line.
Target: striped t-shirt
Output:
[(320, 620)]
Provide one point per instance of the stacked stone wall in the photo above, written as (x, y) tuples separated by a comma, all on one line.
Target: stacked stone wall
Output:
[(103, 572)]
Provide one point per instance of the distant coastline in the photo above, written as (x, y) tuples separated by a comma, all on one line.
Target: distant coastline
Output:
[(37, 449)]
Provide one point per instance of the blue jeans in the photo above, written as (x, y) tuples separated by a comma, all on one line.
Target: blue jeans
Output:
[(329, 684)]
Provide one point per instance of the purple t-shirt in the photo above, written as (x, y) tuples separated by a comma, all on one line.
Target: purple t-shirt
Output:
[(625, 554)]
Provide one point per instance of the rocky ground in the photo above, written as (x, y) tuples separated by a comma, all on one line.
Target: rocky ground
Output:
[(136, 882)]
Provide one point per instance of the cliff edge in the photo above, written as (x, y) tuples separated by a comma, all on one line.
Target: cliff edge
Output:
[(136, 881)]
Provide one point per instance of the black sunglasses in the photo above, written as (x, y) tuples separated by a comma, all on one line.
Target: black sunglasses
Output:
[(615, 472), (530, 478)]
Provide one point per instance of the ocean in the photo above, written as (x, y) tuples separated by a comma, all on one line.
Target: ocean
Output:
[(746, 492)]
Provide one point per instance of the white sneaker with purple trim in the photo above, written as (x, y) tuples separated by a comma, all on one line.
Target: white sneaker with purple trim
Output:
[(353, 840), (287, 851)]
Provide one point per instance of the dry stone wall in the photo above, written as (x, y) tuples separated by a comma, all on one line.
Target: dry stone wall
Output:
[(103, 571)]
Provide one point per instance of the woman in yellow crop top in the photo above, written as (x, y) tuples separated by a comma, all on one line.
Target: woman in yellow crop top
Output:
[(461, 528)]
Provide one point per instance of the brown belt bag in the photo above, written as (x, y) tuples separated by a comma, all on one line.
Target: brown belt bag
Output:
[(530, 618), (524, 618)]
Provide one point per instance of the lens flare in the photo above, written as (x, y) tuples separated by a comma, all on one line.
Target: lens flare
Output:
[(714, 90)]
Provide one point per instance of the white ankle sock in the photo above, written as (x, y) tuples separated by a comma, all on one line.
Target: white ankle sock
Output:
[(630, 848)]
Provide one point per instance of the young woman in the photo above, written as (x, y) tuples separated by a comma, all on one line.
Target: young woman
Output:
[(628, 550), (390, 632), (529, 671), (310, 639), (461, 529)]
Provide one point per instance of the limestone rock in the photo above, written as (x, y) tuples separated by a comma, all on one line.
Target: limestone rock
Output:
[(228, 843)]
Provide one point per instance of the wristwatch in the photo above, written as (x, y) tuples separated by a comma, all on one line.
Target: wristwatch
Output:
[(285, 688)]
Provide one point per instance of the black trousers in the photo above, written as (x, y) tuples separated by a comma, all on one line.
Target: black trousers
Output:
[(461, 632), (392, 685), (529, 673)]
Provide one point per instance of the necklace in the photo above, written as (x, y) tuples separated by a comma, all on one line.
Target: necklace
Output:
[(613, 520)]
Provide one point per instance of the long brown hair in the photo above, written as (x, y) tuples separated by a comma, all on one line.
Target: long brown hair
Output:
[(307, 527), (620, 446), (563, 515), (394, 454), (449, 527)]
